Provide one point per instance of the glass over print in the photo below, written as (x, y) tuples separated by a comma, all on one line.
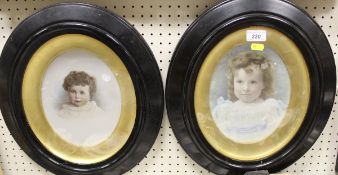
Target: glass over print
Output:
[(250, 88), (82, 92), (81, 98), (247, 98)]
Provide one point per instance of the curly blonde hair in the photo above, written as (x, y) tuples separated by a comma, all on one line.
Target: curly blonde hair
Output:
[(76, 78), (245, 60)]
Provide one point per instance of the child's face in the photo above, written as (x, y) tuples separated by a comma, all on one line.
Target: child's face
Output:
[(79, 95), (248, 85)]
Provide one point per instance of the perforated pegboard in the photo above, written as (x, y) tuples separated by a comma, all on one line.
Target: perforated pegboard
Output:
[(162, 23)]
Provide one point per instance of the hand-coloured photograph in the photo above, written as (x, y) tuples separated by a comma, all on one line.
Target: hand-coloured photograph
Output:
[(247, 98), (81, 98)]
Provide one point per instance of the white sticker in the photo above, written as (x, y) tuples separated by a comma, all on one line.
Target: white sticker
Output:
[(255, 35)]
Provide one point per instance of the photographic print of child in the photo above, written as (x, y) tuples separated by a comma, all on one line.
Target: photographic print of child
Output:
[(250, 113)]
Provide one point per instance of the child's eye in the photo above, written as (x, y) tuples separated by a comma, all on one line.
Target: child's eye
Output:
[(239, 81), (82, 93), (253, 82)]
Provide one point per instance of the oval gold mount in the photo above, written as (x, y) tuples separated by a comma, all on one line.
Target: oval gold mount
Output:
[(31, 95), (297, 69)]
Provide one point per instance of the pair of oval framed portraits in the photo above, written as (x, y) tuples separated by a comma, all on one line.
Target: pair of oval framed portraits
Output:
[(250, 87)]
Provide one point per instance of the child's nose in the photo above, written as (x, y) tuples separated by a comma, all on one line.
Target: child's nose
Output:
[(245, 86)]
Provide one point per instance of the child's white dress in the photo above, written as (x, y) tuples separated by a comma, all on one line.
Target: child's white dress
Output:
[(85, 125), (248, 122), (88, 110)]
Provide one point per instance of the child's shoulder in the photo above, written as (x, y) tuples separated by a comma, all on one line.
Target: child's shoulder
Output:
[(95, 107), (222, 101), (66, 106), (222, 105), (273, 102)]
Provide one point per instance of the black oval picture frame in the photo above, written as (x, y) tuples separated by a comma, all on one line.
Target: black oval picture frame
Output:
[(220, 32), (27, 57)]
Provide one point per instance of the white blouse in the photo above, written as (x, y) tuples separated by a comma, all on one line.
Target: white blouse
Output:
[(86, 111), (86, 125), (248, 122)]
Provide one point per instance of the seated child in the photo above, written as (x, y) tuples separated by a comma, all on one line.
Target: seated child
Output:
[(80, 88), (250, 114)]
